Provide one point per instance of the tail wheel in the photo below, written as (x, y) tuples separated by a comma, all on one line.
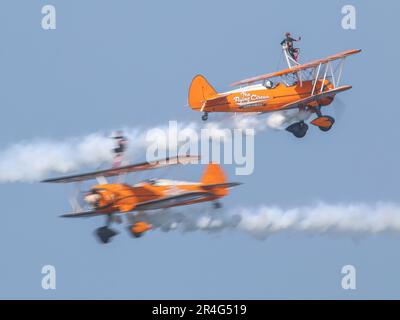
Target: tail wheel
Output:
[(298, 129), (204, 117)]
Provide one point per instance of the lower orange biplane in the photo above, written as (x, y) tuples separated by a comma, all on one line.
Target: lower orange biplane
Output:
[(308, 87), (113, 199)]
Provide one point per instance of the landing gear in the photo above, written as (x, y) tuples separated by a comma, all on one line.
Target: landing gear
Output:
[(324, 123), (139, 228), (217, 205), (204, 117), (325, 129), (117, 219), (105, 233), (137, 234), (299, 129)]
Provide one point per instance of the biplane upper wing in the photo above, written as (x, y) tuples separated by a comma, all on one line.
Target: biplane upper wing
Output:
[(124, 169), (315, 97), (298, 68)]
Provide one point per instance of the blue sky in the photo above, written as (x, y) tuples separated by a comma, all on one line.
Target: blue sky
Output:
[(111, 64)]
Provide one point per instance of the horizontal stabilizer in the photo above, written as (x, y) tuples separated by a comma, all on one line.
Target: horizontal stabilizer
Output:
[(222, 185)]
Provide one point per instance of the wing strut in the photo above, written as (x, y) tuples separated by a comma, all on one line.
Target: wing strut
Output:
[(316, 78)]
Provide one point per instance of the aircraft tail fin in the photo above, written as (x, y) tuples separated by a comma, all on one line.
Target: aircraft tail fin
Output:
[(199, 91), (213, 174), (215, 181)]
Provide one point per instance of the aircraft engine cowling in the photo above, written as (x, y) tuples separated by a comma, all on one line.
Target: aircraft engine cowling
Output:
[(92, 198)]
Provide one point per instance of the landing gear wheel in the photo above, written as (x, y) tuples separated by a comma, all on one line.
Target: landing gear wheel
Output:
[(137, 234), (331, 120), (139, 228), (299, 129), (117, 219), (204, 117), (104, 234), (217, 205), (324, 123), (325, 129)]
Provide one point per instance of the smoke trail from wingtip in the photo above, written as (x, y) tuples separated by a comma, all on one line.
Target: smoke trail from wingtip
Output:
[(263, 221)]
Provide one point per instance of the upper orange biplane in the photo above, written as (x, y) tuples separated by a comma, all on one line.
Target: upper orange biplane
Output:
[(113, 199), (308, 86)]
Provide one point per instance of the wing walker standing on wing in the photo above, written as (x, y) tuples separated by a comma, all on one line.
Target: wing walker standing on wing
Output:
[(115, 199), (305, 87), (287, 44)]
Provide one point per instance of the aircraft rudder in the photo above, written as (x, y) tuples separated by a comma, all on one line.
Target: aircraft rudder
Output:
[(199, 91), (213, 174)]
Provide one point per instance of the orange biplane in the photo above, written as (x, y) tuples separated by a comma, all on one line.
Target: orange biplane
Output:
[(113, 199), (306, 87)]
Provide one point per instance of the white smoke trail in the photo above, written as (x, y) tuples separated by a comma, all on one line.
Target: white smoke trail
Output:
[(264, 221), (34, 160), (280, 120)]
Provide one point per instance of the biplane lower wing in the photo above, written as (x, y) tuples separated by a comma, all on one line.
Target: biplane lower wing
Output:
[(305, 101), (154, 204)]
